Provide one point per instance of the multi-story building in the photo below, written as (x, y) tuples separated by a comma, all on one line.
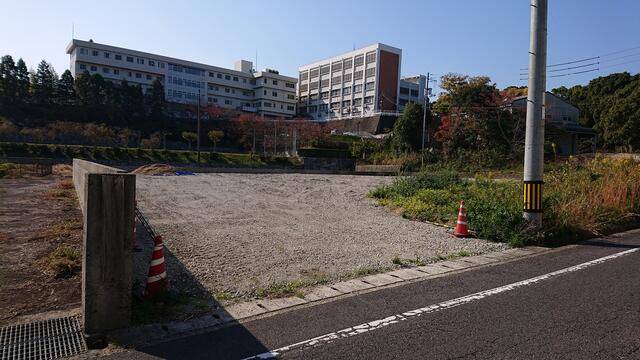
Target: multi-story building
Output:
[(263, 92), (358, 83), (412, 89)]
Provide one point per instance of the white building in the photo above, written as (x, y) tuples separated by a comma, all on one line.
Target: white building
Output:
[(412, 89), (263, 92), (357, 83)]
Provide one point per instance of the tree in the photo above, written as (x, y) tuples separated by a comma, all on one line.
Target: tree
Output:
[(66, 92), (43, 84), (157, 108), (8, 81), (22, 81), (189, 137), (407, 131), (215, 136)]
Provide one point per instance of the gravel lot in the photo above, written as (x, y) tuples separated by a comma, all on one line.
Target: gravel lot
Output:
[(236, 232)]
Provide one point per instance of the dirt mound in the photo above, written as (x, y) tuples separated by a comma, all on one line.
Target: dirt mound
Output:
[(63, 170), (155, 169)]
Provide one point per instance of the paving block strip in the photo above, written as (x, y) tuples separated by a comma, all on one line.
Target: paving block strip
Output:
[(245, 310)]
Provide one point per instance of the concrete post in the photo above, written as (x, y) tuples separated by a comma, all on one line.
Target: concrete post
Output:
[(534, 138)]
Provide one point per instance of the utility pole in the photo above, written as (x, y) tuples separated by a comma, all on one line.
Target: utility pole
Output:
[(534, 138), (198, 141), (424, 121)]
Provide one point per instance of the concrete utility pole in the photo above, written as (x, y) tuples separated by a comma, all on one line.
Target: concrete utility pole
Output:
[(534, 138), (424, 121), (198, 140)]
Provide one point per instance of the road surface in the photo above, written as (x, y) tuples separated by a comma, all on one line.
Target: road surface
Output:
[(577, 302)]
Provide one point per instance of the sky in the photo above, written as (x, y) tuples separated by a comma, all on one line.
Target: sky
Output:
[(489, 37)]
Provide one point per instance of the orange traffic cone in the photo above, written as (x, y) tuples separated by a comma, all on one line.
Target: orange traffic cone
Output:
[(157, 280), (462, 229)]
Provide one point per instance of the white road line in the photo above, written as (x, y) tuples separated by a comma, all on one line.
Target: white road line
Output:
[(393, 319)]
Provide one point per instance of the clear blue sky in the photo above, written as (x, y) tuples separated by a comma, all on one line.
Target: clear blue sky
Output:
[(488, 37)]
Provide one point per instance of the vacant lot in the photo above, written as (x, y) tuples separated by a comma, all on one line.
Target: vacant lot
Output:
[(238, 232)]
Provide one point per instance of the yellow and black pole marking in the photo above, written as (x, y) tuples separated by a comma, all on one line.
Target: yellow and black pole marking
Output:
[(532, 191)]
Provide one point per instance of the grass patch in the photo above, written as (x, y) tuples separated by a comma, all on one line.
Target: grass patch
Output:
[(64, 262), (5, 169), (581, 199), (365, 270), (282, 289), (417, 261)]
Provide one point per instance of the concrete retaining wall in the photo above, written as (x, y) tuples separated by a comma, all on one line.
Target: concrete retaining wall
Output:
[(107, 199)]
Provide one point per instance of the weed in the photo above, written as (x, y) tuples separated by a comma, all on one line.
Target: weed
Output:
[(396, 260), (364, 271), (64, 262)]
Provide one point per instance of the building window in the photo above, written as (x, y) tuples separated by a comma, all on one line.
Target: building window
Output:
[(303, 87), (313, 108), (359, 60), (336, 80), (335, 93), (314, 85), (290, 85), (227, 90), (346, 77), (274, 93), (357, 102), (346, 91), (148, 77), (324, 69), (336, 66), (219, 76), (244, 81), (94, 68), (370, 72), (267, 104), (335, 105), (83, 51), (291, 97), (116, 72), (324, 107), (324, 83), (275, 82), (371, 57), (304, 75), (348, 63), (118, 57), (95, 52), (368, 100), (357, 75), (83, 67), (140, 61), (228, 102), (404, 90), (211, 74), (107, 55), (346, 103), (235, 78), (129, 59), (131, 75), (265, 92), (227, 77), (357, 89), (369, 86), (152, 63), (414, 93), (138, 76), (324, 95), (314, 73), (290, 107)]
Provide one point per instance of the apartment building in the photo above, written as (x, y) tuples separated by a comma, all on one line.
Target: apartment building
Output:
[(263, 92), (358, 83), (412, 89)]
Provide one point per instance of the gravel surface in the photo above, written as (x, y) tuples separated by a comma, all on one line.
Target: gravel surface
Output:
[(236, 232)]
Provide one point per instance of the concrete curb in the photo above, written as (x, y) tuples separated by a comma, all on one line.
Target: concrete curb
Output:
[(255, 309)]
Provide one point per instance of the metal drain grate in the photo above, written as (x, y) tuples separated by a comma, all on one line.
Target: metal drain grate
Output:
[(48, 339)]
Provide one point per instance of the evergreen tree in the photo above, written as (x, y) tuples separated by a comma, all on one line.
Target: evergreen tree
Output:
[(407, 131), (8, 83), (66, 93), (43, 84), (22, 81)]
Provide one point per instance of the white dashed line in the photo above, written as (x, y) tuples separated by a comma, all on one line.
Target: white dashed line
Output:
[(393, 319)]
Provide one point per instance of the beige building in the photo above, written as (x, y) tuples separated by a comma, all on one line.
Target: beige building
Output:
[(243, 88), (362, 82)]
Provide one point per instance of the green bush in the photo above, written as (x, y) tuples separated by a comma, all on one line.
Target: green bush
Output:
[(324, 153)]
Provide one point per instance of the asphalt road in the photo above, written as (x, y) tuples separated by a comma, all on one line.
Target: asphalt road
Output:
[(586, 312)]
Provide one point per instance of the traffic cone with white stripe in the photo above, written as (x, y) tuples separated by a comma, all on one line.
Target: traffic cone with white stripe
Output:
[(157, 280), (462, 229)]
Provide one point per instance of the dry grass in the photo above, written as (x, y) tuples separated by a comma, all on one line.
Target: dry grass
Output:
[(65, 261)]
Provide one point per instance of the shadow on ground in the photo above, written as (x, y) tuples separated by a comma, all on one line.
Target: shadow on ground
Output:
[(186, 302)]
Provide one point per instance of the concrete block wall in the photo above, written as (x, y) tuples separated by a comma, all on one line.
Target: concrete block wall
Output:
[(107, 199)]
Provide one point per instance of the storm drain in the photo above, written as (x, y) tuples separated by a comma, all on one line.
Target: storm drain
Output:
[(48, 339)]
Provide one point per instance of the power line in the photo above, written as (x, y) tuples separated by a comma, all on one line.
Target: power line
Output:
[(573, 73), (569, 68), (622, 63), (593, 58)]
